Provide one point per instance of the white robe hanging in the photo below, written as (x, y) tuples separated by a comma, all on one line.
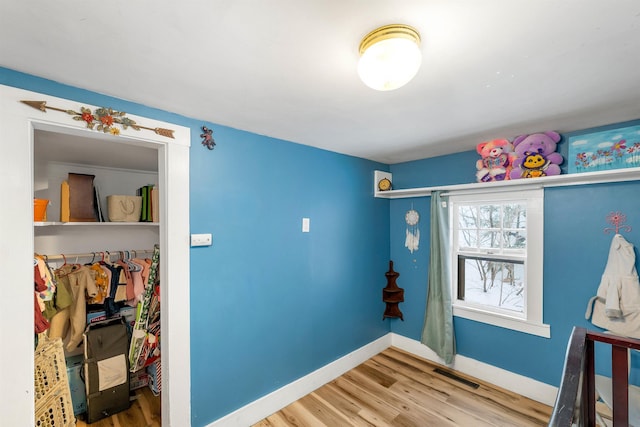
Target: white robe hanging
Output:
[(616, 307)]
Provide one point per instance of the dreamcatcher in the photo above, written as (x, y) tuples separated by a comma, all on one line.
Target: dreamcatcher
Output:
[(412, 239)]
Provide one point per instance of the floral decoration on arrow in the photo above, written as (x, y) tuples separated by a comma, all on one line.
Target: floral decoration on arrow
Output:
[(102, 119)]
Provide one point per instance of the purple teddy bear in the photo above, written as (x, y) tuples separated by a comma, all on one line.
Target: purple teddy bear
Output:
[(536, 156)]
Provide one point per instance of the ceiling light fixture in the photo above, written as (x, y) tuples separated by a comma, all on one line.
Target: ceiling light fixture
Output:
[(389, 56)]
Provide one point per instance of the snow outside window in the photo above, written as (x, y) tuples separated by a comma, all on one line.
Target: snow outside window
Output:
[(497, 241)]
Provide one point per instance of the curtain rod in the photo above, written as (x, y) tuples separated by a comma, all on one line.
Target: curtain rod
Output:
[(487, 191), (97, 255)]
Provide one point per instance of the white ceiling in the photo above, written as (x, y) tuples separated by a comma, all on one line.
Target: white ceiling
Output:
[(287, 68)]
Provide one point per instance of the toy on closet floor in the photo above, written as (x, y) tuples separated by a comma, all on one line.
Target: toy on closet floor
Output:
[(536, 155), (495, 164)]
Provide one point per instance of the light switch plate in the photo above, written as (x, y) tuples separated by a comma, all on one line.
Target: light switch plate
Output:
[(201, 239), (305, 225)]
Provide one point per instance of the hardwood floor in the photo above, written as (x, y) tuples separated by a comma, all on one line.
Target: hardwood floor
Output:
[(144, 412), (395, 388)]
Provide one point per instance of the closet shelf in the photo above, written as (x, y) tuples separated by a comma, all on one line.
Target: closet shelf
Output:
[(94, 224), (600, 177)]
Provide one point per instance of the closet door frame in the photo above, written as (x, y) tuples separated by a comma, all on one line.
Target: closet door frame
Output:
[(17, 125)]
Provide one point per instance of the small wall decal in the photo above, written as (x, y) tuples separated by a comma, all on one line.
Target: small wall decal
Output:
[(207, 138), (617, 219)]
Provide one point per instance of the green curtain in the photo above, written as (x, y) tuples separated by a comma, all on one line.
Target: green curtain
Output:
[(437, 333)]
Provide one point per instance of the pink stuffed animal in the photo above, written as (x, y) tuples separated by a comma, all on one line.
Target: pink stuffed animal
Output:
[(536, 155), (495, 164)]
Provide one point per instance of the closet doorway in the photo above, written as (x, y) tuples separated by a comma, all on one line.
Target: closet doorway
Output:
[(24, 132)]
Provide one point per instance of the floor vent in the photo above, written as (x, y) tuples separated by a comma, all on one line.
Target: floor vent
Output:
[(456, 377)]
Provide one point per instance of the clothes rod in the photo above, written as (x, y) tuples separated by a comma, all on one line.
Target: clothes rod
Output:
[(97, 255)]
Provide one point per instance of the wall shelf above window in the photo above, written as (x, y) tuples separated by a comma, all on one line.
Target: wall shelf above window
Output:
[(616, 175)]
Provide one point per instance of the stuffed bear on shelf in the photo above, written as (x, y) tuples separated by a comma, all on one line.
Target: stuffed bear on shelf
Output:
[(495, 164), (536, 155)]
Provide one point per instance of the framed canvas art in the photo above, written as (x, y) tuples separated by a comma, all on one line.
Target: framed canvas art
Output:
[(613, 148)]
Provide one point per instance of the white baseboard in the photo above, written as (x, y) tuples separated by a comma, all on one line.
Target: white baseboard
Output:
[(516, 383), (278, 399)]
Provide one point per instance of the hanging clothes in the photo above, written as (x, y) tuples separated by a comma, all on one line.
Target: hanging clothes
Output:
[(45, 289), (141, 285), (73, 318), (126, 268), (40, 323), (101, 279), (616, 306), (113, 272), (46, 277), (39, 285), (138, 283), (123, 279), (62, 298)]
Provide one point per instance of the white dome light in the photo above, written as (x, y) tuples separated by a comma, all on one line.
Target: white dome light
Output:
[(390, 57)]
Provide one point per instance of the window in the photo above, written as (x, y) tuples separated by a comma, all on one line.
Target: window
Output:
[(497, 241)]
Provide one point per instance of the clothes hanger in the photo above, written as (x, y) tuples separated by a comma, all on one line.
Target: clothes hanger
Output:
[(133, 266), (46, 264), (102, 261), (93, 258), (66, 273)]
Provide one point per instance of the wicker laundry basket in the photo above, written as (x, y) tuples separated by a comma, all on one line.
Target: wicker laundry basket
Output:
[(53, 406)]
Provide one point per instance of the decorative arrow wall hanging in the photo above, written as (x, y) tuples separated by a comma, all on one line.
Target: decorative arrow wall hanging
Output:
[(103, 119)]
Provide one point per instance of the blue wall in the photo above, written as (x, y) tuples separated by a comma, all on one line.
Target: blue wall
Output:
[(280, 303), (269, 303), (575, 254)]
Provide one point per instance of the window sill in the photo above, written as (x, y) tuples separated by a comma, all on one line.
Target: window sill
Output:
[(503, 321)]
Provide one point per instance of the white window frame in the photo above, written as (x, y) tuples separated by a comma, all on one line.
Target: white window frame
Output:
[(530, 321)]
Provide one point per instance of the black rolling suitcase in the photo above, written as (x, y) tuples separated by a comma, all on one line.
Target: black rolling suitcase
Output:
[(106, 368)]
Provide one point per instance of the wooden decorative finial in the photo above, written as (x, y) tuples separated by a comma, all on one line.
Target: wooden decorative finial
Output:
[(392, 295)]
